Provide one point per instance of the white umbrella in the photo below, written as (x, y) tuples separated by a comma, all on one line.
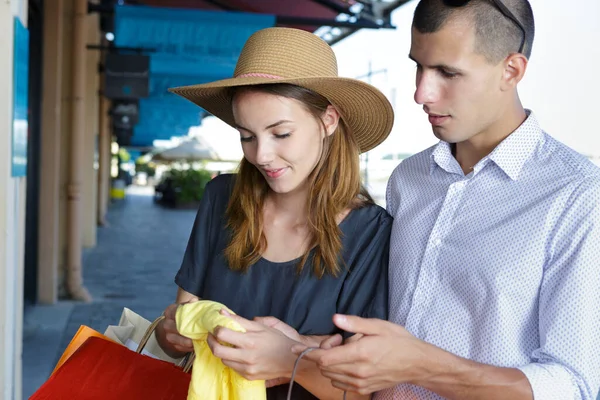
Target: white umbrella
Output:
[(194, 149)]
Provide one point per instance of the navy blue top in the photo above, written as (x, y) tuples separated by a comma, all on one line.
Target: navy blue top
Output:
[(275, 289)]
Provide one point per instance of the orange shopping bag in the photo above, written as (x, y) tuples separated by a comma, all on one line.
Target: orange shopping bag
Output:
[(83, 334)]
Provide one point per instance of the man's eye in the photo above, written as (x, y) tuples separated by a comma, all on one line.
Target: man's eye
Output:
[(447, 74)]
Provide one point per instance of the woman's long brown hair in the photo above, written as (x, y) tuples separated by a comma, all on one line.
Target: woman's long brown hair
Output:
[(334, 184)]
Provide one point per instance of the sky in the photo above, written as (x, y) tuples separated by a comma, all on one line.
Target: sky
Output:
[(561, 86)]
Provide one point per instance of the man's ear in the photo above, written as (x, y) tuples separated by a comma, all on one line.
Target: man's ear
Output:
[(331, 120), (515, 66)]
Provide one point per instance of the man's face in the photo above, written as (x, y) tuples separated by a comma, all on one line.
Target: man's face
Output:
[(458, 88)]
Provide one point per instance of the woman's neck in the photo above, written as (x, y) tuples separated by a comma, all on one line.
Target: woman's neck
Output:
[(288, 208)]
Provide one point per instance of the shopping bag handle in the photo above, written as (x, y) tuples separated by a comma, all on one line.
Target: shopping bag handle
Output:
[(187, 361)]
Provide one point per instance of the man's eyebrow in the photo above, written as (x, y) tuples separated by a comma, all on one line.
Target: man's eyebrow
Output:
[(273, 125), (438, 66)]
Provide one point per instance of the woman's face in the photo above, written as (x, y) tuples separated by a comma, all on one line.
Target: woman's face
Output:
[(280, 137)]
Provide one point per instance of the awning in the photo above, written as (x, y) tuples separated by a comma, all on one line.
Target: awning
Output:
[(196, 41)]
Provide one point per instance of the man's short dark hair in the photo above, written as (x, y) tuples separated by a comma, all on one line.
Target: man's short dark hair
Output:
[(496, 36)]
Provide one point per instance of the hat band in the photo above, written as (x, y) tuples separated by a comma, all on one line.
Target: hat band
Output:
[(258, 75)]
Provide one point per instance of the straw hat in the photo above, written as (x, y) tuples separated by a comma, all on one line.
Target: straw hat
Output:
[(294, 56)]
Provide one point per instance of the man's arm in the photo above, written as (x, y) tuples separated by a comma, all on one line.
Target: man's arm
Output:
[(454, 377), (388, 355)]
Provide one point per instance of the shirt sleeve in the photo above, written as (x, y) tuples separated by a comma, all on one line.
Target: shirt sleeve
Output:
[(567, 364), (365, 289), (391, 193), (197, 254)]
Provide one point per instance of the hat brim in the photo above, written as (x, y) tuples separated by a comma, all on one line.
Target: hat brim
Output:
[(364, 109)]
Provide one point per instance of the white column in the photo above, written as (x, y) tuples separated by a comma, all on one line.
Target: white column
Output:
[(12, 215)]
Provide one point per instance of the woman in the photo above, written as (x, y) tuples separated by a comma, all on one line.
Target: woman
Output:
[(293, 235)]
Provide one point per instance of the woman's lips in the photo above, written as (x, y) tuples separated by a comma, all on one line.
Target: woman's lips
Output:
[(275, 173)]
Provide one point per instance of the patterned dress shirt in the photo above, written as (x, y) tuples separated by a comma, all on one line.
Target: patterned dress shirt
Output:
[(502, 265)]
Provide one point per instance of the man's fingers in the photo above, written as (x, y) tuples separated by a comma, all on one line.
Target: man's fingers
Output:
[(345, 354), (354, 338), (332, 341), (354, 324), (343, 372), (298, 348)]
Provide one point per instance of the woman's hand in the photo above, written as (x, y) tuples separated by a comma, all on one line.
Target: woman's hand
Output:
[(308, 341), (261, 353), (170, 340)]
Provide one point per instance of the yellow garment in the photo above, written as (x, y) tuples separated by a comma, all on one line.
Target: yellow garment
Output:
[(211, 380)]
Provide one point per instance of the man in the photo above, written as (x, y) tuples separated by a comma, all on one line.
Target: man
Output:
[(495, 254)]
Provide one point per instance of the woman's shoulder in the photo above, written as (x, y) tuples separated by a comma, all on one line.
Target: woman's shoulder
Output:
[(365, 224), (220, 185), (370, 213)]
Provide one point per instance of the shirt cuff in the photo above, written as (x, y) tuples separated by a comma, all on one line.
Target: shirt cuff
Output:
[(550, 381)]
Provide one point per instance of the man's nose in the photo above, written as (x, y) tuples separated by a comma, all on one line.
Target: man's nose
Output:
[(427, 90)]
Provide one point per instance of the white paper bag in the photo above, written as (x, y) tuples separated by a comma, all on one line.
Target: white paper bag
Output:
[(131, 330)]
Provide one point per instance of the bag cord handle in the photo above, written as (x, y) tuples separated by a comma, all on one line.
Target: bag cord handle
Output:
[(305, 352), (187, 361)]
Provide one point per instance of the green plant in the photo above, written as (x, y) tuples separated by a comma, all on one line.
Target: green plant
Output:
[(147, 167), (188, 184), (124, 155)]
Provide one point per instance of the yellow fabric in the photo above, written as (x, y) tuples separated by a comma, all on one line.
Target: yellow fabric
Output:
[(211, 380)]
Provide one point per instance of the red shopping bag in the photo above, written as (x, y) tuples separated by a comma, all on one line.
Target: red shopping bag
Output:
[(105, 370)]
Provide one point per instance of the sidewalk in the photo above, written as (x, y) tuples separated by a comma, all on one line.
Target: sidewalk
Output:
[(133, 265)]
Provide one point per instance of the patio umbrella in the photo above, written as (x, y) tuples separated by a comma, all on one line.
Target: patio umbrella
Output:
[(194, 149)]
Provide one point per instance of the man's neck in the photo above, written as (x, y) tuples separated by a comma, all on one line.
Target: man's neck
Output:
[(471, 151)]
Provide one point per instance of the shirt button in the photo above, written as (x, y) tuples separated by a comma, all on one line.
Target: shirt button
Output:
[(437, 241)]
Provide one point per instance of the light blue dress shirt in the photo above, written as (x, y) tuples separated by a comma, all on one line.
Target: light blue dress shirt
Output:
[(501, 266)]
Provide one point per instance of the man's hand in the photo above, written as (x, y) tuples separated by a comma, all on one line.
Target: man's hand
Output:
[(379, 356)]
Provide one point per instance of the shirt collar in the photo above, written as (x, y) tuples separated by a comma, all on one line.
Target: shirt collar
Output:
[(443, 158), (510, 155)]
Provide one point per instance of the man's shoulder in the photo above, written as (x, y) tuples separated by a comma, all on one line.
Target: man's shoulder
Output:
[(417, 163), (568, 161)]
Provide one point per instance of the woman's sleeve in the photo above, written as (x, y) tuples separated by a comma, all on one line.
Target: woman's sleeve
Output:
[(365, 289), (197, 254)]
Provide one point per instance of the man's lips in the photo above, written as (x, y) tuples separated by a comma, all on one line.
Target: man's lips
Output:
[(436, 119)]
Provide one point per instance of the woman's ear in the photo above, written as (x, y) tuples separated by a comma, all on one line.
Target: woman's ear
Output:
[(331, 119)]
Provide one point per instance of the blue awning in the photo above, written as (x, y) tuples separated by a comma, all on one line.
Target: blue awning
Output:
[(188, 47)]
